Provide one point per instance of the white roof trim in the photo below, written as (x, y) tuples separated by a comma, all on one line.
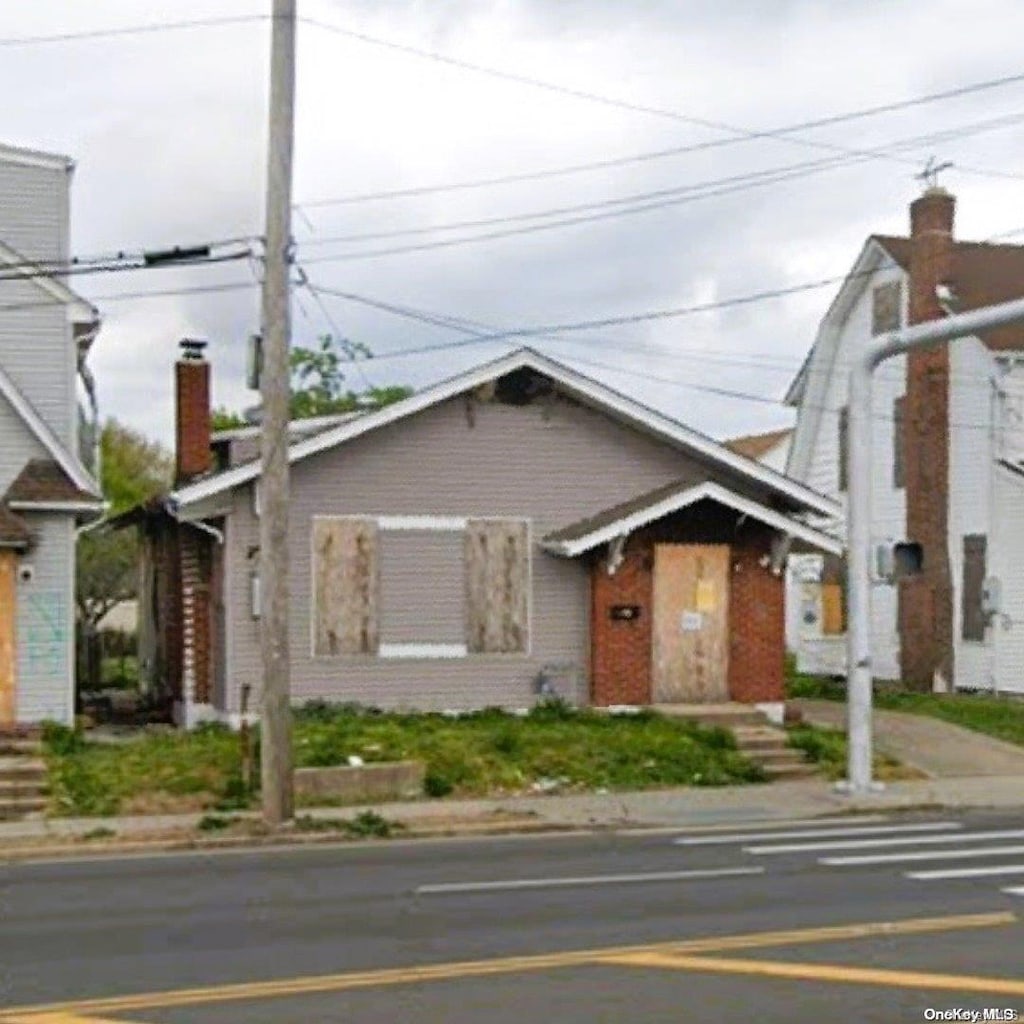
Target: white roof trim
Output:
[(35, 158), (573, 381), (56, 506), (74, 469), (683, 499), (78, 308)]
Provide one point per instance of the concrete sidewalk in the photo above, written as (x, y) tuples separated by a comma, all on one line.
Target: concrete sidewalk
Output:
[(936, 748), (681, 808)]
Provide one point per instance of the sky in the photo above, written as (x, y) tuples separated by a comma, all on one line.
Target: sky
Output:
[(168, 132)]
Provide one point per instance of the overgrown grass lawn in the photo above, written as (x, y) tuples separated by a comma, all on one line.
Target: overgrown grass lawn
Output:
[(1001, 717), (488, 753)]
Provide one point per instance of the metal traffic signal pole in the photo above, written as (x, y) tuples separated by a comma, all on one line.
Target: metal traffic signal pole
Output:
[(858, 665)]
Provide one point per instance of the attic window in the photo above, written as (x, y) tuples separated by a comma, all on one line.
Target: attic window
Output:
[(886, 303)]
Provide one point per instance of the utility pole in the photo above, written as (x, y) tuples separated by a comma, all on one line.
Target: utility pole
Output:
[(276, 768), (858, 545)]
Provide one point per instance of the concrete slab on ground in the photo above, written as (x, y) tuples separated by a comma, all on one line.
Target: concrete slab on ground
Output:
[(939, 749)]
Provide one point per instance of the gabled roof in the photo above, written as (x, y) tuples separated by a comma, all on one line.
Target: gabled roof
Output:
[(757, 446), (621, 520), (984, 274), (67, 462), (79, 309), (14, 531), (44, 483), (573, 383)]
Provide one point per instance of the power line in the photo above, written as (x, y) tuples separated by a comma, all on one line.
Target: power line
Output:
[(656, 199), (126, 296), (780, 134), (26, 274), (131, 30), (650, 155), (332, 325)]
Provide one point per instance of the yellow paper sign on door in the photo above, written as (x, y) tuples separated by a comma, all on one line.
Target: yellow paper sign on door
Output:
[(706, 596)]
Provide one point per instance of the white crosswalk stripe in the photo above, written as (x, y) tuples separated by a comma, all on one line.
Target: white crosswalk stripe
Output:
[(939, 874), (865, 859), (867, 844), (818, 833), (861, 843)]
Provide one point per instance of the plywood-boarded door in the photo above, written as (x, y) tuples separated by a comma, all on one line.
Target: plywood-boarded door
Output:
[(8, 646), (691, 623)]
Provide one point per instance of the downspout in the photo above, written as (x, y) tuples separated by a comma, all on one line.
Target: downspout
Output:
[(858, 668), (84, 344)]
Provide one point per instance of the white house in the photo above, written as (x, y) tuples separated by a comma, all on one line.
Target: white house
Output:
[(45, 489), (948, 451)]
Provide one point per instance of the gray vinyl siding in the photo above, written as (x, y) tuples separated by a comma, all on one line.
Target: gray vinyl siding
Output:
[(34, 210), (36, 346), (551, 466), (17, 445), (45, 623), (422, 587), (37, 353)]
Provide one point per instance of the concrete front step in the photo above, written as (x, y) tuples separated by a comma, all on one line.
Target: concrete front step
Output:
[(20, 746), (21, 788), (801, 770), (13, 807), (22, 767)]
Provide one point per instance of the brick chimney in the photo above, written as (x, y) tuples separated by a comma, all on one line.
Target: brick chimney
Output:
[(192, 397), (926, 602)]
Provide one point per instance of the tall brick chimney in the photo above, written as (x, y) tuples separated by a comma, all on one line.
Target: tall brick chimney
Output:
[(926, 602), (192, 407)]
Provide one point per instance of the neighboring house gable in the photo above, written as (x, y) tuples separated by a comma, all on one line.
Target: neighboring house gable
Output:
[(45, 490), (934, 451)]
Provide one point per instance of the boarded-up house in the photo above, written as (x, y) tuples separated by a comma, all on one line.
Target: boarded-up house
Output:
[(520, 529)]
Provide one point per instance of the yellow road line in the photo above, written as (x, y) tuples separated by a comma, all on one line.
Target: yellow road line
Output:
[(60, 1018), (827, 972), (506, 965)]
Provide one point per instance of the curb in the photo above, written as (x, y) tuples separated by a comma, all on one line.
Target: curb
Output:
[(190, 842)]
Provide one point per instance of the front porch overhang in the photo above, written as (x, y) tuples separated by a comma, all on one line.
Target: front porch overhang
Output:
[(615, 524)]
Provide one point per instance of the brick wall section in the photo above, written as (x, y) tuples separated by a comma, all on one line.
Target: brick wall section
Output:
[(192, 393), (926, 602), (621, 655), (197, 662), (757, 622), (621, 651)]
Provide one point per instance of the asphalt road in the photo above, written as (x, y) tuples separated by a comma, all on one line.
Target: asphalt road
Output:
[(598, 909)]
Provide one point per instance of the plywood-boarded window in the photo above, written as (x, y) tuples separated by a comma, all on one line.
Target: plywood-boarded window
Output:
[(497, 562), (345, 587), (843, 442), (973, 626), (833, 596), (886, 301), (898, 469)]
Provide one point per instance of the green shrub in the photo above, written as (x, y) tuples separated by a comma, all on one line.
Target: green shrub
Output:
[(436, 784), (60, 740), (369, 824)]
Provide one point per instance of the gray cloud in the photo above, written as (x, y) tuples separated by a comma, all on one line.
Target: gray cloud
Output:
[(168, 131)]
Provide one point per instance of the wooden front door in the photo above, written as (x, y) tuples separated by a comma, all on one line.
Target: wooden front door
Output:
[(8, 647), (690, 659)]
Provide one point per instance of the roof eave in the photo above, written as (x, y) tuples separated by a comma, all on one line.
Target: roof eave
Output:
[(573, 381)]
